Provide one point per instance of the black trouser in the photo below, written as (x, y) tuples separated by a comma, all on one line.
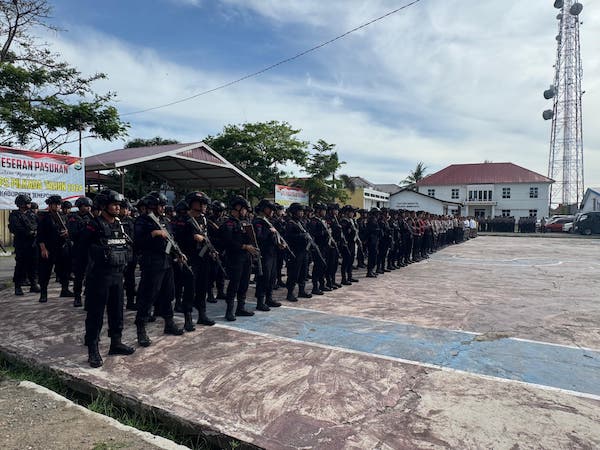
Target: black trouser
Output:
[(280, 260), (333, 257), (217, 277), (296, 270), (196, 285), (156, 288), (407, 242), (372, 255), (55, 260), (238, 269), (384, 246), (79, 267), (416, 247), (179, 280), (360, 256), (348, 261), (104, 291), (26, 263), (266, 282), (319, 269), (129, 279)]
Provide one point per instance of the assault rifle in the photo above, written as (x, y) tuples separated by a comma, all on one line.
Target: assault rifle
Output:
[(342, 237), (208, 246), (311, 243), (250, 230), (172, 246), (281, 242)]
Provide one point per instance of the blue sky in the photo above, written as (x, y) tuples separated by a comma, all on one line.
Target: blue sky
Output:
[(439, 82)]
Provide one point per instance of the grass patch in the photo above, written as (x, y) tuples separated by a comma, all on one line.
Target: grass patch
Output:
[(103, 404)]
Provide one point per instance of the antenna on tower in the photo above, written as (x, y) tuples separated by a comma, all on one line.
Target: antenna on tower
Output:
[(565, 165)]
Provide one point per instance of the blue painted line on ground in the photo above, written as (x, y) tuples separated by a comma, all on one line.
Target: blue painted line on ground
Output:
[(531, 362)]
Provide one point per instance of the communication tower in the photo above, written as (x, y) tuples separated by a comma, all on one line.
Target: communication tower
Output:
[(565, 164)]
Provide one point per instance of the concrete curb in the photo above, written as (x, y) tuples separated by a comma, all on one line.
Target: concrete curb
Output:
[(158, 441)]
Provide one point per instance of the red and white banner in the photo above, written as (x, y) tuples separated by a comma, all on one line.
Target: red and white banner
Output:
[(39, 175), (286, 195)]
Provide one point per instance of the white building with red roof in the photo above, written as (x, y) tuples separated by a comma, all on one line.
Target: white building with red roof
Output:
[(490, 189)]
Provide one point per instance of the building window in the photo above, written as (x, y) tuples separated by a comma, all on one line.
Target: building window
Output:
[(506, 212), (533, 212), (533, 192), (505, 192), (490, 196), (431, 192), (454, 194), (454, 212)]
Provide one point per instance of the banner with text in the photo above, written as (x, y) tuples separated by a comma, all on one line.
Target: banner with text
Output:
[(286, 195), (39, 175)]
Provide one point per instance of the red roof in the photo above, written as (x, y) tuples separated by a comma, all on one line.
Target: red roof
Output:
[(484, 173)]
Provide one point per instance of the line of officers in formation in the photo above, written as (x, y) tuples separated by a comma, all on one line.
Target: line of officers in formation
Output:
[(184, 253)]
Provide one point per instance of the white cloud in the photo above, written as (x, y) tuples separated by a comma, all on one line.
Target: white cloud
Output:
[(441, 83)]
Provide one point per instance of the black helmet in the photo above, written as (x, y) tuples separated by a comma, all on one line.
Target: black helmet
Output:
[(278, 207), (66, 204), (374, 210), (295, 207), (83, 201), (218, 206), (161, 199), (239, 200), (22, 200), (108, 196), (319, 206), (169, 210), (141, 203), (348, 208), (264, 203), (333, 207), (126, 204), (34, 205), (197, 196), (181, 206), (54, 200)]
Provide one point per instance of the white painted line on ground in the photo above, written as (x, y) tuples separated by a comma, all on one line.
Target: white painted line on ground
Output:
[(415, 363), (158, 441)]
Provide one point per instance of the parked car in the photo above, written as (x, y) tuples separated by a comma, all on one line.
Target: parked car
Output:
[(588, 223), (556, 225), (568, 227)]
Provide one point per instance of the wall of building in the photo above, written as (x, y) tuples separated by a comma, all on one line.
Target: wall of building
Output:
[(519, 204), (592, 202), (413, 201), (366, 198)]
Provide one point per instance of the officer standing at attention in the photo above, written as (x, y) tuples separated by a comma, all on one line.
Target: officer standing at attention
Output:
[(372, 234), (52, 240), (109, 252), (156, 264), (23, 224), (239, 252), (129, 272), (350, 234), (318, 229), (77, 223), (297, 238), (266, 237)]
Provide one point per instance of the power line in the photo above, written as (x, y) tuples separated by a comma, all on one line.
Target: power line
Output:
[(277, 64)]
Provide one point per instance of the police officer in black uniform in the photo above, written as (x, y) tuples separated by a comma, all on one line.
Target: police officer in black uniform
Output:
[(128, 225), (318, 229), (109, 251), (53, 240), (266, 236), (372, 234), (239, 253), (23, 224), (77, 223), (350, 232), (178, 225), (214, 220), (385, 240), (156, 265), (336, 245), (297, 237)]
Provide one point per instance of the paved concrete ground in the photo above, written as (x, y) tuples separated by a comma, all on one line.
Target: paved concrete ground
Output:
[(494, 343), (32, 417)]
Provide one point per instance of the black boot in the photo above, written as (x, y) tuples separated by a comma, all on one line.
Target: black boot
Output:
[(77, 301), (19, 291), (94, 357), (172, 328), (303, 294), (178, 308), (261, 306), (351, 279), (229, 315), (211, 297), (43, 296), (371, 274), (131, 306), (65, 292), (203, 319), (35, 288), (221, 295), (290, 296), (118, 348), (345, 282), (272, 303), (317, 291), (189, 322), (242, 312), (142, 337)]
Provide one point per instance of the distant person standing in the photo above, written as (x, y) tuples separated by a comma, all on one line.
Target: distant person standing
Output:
[(23, 224)]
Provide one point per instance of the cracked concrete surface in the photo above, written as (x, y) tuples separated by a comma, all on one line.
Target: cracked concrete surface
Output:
[(280, 394)]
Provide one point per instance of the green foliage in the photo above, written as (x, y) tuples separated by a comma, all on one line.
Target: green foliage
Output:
[(321, 166), (141, 142), (416, 175), (44, 100), (260, 150)]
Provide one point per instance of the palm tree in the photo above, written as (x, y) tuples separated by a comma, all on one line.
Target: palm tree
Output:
[(410, 182)]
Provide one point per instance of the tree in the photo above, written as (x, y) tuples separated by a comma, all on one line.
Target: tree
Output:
[(410, 182), (141, 142), (261, 150), (321, 167), (42, 98)]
